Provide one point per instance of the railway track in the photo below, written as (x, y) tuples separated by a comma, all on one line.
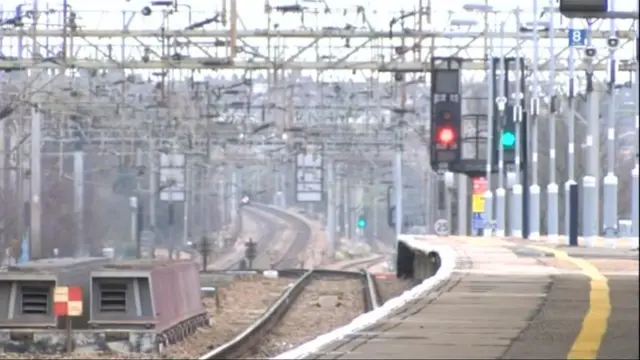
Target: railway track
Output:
[(364, 262), (319, 301), (290, 240), (387, 285), (270, 232), (247, 298), (300, 304), (238, 305), (288, 257)]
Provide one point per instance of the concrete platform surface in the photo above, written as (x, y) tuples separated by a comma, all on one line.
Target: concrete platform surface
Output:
[(502, 304), (593, 242)]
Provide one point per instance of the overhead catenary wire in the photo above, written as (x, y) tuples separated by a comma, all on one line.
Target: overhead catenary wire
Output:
[(353, 131)]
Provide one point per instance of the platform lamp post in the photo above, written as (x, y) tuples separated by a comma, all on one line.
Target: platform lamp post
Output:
[(449, 180), (461, 187), (486, 10), (635, 173)]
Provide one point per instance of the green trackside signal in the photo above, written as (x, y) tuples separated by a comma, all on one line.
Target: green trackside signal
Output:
[(508, 139), (362, 223)]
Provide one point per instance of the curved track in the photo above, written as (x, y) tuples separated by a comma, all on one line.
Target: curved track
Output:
[(247, 298), (258, 316), (269, 232), (387, 286), (277, 245), (290, 241), (244, 299), (318, 302)]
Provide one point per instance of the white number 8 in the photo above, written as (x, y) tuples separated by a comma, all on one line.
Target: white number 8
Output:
[(576, 36)]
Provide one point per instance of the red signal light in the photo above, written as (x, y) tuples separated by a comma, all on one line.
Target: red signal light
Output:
[(446, 136)]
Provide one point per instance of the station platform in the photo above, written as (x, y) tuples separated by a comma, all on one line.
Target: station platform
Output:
[(510, 299)]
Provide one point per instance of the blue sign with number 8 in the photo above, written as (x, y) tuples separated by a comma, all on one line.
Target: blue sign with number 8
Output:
[(577, 37)]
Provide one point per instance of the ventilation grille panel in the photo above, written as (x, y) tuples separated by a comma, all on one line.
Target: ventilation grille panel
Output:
[(113, 298), (35, 299)]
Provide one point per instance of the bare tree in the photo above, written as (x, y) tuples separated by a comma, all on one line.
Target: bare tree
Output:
[(8, 222), (57, 213), (105, 212)]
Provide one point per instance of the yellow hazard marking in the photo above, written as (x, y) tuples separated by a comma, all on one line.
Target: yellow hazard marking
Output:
[(594, 324)]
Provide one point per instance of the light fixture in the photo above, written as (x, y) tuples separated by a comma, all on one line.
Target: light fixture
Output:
[(463, 22), (478, 7), (531, 26)]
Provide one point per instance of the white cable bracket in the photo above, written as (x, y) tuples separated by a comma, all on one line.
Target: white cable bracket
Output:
[(535, 106)]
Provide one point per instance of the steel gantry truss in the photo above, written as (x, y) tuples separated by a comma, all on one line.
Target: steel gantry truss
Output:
[(221, 79), (292, 63)]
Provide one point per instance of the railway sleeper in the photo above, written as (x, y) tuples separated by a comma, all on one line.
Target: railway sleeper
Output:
[(180, 331)]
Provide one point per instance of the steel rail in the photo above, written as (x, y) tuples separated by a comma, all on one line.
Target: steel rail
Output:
[(251, 336), (261, 244), (303, 236)]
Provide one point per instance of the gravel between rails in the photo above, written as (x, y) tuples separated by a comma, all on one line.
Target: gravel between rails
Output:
[(325, 304), (242, 302)]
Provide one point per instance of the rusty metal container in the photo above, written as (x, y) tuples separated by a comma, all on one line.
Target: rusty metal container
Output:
[(158, 295), (26, 291), (176, 292)]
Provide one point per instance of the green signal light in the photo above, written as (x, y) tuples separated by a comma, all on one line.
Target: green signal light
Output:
[(362, 223), (508, 139)]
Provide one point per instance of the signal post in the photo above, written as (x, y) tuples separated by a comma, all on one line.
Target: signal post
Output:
[(509, 144), (503, 130), (446, 110)]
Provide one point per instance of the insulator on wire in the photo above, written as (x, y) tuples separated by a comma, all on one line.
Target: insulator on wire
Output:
[(290, 8)]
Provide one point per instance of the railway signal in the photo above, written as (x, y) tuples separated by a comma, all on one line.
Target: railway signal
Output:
[(508, 115), (507, 139), (362, 222), (445, 113), (446, 126), (446, 136)]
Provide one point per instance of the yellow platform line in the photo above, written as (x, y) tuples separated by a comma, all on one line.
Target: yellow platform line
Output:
[(594, 324)]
